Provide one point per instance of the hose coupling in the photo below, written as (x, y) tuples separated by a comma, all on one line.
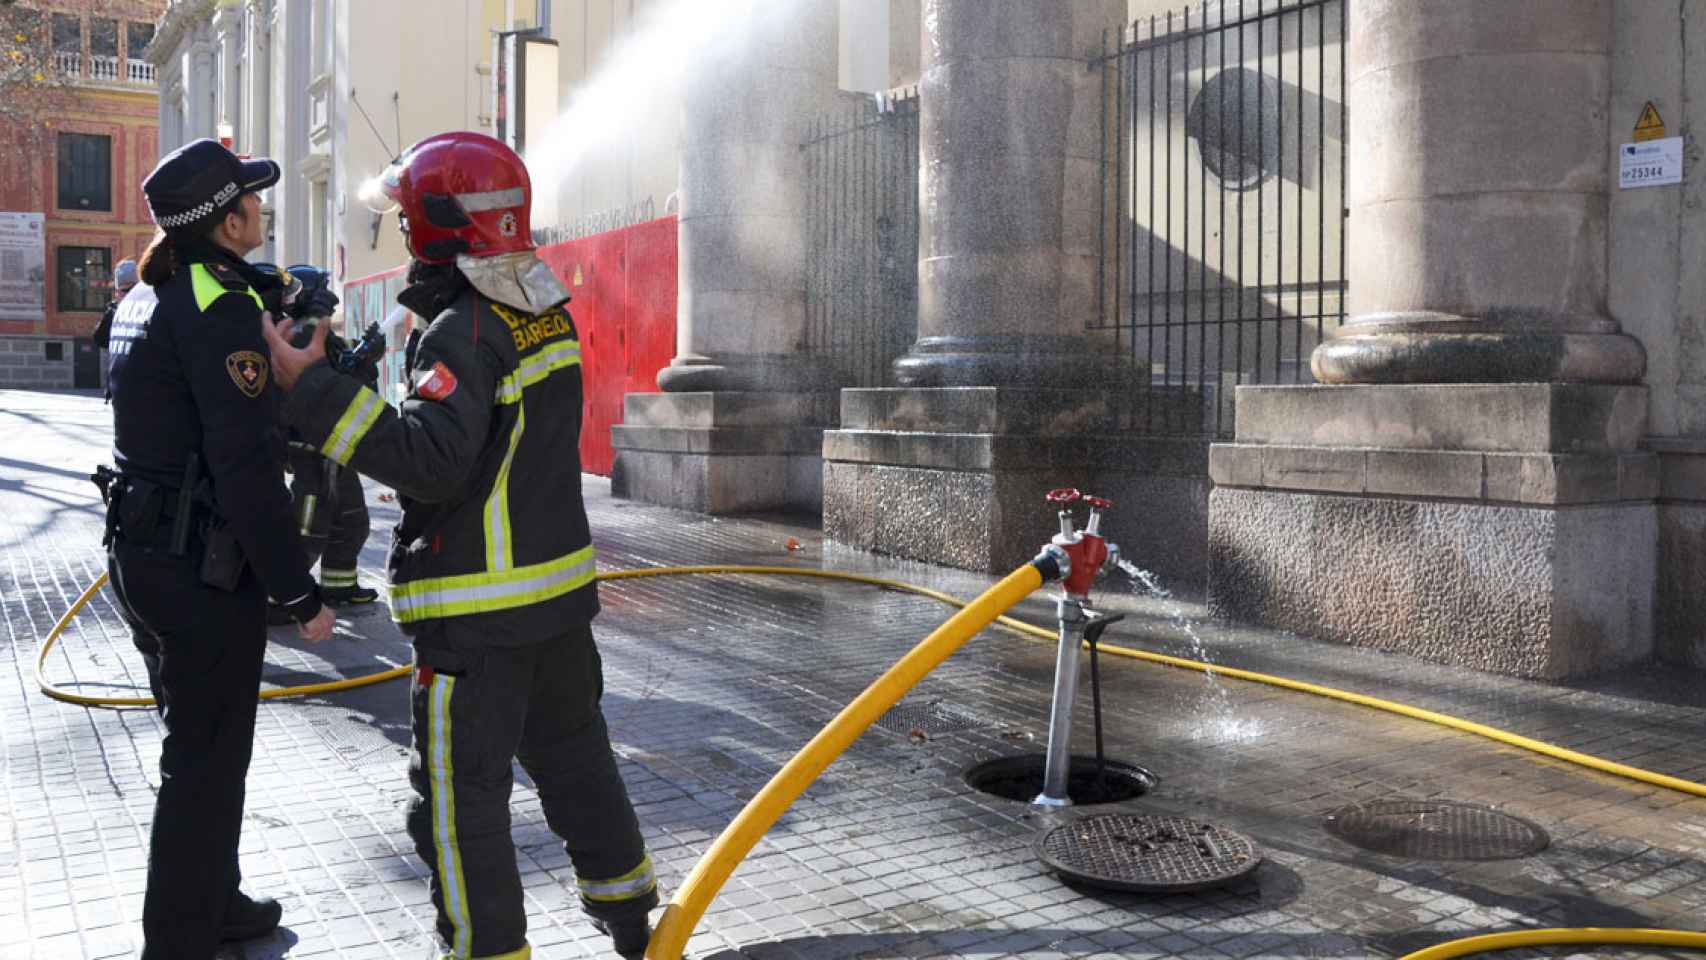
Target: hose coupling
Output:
[(1053, 562)]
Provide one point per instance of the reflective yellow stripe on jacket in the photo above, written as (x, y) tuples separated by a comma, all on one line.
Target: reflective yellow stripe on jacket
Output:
[(359, 417), (500, 544), (566, 353), (493, 590)]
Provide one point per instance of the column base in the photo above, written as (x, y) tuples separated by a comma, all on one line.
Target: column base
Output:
[(1029, 361), (1442, 348), (723, 452), (777, 373), (1509, 528), (957, 476)]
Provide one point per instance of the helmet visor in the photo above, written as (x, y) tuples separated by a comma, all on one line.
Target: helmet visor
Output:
[(379, 194)]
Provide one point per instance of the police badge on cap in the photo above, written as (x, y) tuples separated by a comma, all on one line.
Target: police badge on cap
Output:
[(196, 185)]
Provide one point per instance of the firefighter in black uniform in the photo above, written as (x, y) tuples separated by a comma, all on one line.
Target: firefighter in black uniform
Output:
[(199, 531), (492, 569), (331, 506)]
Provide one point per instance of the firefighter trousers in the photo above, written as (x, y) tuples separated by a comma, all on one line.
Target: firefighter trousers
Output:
[(331, 512), (475, 707), (204, 649)]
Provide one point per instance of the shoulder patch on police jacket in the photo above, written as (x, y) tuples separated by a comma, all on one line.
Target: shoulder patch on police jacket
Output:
[(248, 371)]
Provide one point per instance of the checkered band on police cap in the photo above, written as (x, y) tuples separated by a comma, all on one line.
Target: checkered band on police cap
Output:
[(200, 182)]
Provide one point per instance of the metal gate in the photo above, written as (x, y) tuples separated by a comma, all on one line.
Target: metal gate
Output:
[(861, 168), (1222, 249)]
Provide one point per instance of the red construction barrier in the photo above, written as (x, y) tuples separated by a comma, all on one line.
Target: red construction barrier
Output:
[(623, 284), (623, 287)]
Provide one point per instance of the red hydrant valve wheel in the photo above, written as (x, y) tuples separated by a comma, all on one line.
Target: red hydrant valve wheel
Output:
[(1064, 495), (1099, 503)]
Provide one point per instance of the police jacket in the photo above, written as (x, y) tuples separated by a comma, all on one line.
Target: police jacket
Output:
[(484, 453), (189, 380)]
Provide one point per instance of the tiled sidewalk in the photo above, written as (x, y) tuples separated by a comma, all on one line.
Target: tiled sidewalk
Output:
[(713, 682)]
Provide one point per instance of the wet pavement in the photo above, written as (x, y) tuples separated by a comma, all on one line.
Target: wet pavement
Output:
[(713, 682)]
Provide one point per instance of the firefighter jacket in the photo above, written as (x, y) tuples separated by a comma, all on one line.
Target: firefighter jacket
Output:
[(484, 453), (189, 381)]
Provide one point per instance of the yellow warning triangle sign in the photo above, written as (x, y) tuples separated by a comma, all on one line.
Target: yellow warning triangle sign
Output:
[(578, 280), (1651, 126)]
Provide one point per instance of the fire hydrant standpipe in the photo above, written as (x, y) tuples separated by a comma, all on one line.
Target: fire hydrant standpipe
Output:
[(1082, 556)]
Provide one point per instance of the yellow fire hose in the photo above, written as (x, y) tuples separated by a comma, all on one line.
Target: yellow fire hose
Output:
[(714, 867)]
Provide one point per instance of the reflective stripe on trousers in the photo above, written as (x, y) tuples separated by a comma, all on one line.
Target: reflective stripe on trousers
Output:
[(441, 773), (436, 597)]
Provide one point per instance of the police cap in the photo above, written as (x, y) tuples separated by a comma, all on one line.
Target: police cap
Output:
[(196, 185)]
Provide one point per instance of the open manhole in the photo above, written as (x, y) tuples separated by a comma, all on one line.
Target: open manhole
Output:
[(929, 719), (1436, 830), (1021, 778), (1146, 854)]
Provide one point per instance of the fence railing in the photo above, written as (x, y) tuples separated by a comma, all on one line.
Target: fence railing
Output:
[(103, 69), (68, 62), (1222, 251), (139, 72), (861, 168)]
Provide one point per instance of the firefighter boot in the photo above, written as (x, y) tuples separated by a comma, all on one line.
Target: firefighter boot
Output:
[(627, 937)]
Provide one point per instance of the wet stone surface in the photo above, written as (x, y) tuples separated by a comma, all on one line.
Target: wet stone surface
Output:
[(713, 682)]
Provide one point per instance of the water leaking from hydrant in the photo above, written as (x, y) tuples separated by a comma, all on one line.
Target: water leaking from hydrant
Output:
[(1214, 707)]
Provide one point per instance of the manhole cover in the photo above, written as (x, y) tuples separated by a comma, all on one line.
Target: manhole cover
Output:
[(1147, 854), (928, 718), (1436, 830), (1021, 778)]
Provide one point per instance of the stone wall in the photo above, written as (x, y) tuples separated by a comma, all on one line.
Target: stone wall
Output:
[(24, 362), (1528, 591)]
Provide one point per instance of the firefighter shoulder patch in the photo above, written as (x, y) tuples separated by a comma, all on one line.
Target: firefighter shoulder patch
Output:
[(248, 371), (436, 383)]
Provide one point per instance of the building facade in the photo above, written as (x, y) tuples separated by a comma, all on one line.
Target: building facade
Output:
[(78, 134)]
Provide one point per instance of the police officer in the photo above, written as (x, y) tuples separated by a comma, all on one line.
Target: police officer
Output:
[(124, 278), (200, 531), (492, 569)]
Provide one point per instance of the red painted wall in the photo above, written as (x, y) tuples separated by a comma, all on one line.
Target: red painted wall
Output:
[(623, 285)]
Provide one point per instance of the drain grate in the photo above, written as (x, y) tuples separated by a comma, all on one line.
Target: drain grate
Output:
[(1436, 830), (930, 718), (1147, 854)]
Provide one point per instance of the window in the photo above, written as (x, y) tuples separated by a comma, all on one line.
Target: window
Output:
[(137, 36), (103, 37), (67, 33), (85, 172), (85, 278), (55, 350)]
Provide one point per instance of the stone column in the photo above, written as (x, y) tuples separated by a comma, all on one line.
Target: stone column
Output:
[(258, 95), (200, 92), (1010, 145), (1487, 262), (739, 426), (228, 27), (742, 309), (1002, 397), (1467, 484)]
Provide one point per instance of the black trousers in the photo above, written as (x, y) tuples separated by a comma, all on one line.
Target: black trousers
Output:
[(475, 707), (203, 648), (332, 516)]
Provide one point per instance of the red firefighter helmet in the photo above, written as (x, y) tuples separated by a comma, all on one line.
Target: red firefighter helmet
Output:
[(456, 193)]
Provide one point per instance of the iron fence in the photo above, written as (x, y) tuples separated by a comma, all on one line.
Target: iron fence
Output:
[(1222, 248), (861, 172)]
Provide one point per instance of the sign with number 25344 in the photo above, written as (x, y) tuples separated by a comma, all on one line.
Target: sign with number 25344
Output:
[(1650, 164)]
